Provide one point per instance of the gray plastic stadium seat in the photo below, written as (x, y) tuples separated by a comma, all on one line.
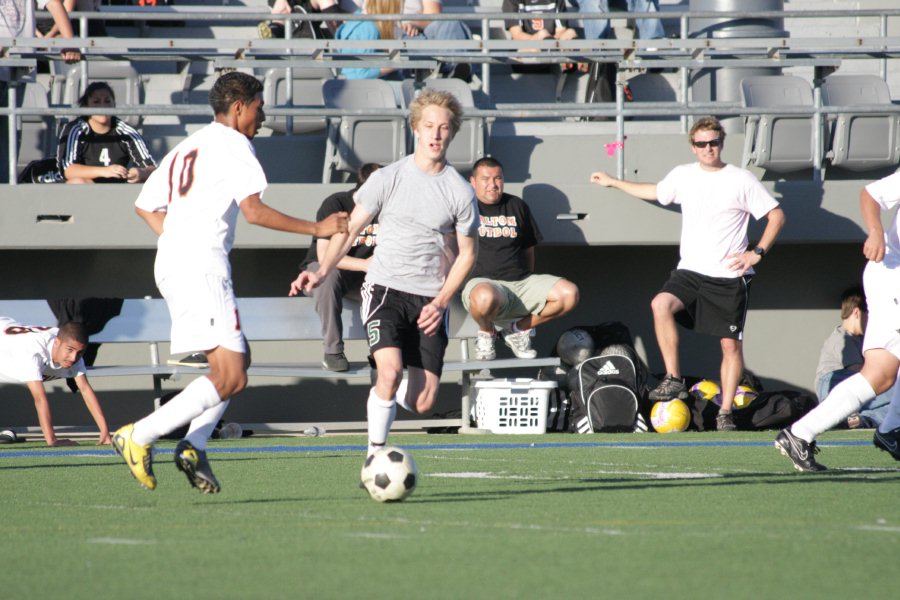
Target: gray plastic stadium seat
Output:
[(861, 142), (778, 142), (352, 141), (307, 92), (121, 76), (37, 134), (469, 144)]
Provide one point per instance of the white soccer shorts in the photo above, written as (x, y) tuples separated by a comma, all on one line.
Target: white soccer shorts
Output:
[(204, 314), (882, 286)]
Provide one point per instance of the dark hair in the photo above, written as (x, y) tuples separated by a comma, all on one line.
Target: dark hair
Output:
[(488, 161), (853, 297), (95, 87), (364, 172), (73, 331), (232, 87)]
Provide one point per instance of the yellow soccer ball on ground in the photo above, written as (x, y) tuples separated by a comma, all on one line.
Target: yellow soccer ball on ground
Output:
[(743, 396), (705, 390), (667, 417)]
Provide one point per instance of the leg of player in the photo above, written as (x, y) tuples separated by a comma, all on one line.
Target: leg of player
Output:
[(664, 306), (422, 390), (887, 435), (732, 367), (485, 301), (382, 406)]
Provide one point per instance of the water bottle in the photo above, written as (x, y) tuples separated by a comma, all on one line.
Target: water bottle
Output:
[(314, 431)]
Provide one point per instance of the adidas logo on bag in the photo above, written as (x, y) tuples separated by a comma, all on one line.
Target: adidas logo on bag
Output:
[(608, 369)]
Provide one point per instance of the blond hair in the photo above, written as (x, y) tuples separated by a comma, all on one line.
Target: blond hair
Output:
[(430, 97), (387, 30), (707, 124)]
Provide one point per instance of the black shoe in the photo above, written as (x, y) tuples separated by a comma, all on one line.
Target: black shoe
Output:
[(669, 388), (801, 452), (724, 422), (198, 359), (194, 464), (889, 442), (335, 362)]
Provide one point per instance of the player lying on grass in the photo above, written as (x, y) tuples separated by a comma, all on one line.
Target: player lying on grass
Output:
[(32, 355), (192, 202)]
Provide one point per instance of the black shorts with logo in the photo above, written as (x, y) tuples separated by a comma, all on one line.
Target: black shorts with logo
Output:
[(391, 320), (713, 305)]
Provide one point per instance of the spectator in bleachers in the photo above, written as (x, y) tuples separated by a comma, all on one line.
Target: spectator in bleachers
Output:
[(102, 148), (598, 29), (303, 29), (431, 30), (96, 28), (538, 29), (346, 279), (30, 355), (503, 288), (370, 30), (842, 357)]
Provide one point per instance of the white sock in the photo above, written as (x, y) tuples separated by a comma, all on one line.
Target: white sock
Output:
[(202, 427), (892, 418), (844, 400), (380, 414), (401, 397), (197, 397)]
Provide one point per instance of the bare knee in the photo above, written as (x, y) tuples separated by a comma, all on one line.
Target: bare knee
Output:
[(568, 295), (484, 299), (730, 347), (662, 305), (388, 381)]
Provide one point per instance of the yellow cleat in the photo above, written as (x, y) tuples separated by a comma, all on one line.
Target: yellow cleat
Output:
[(138, 458)]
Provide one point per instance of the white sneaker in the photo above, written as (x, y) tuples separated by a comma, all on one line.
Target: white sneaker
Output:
[(484, 346), (520, 343)]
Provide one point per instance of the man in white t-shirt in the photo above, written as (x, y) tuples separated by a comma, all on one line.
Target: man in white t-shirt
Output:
[(192, 202), (881, 341), (708, 290), (32, 355)]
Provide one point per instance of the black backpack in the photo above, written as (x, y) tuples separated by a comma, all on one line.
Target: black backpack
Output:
[(606, 392), (44, 170)]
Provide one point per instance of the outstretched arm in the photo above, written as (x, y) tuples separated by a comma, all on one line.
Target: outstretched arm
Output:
[(258, 213), (42, 406), (93, 405), (644, 191)]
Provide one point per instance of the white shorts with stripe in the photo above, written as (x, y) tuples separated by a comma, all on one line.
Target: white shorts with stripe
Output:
[(882, 286), (204, 314)]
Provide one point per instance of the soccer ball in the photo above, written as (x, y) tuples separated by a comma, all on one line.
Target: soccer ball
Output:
[(575, 346), (670, 416), (706, 390), (389, 475), (743, 396)]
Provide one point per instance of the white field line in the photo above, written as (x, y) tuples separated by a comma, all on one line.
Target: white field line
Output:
[(120, 541)]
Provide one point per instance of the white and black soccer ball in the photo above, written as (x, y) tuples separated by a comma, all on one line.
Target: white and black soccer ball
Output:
[(390, 475)]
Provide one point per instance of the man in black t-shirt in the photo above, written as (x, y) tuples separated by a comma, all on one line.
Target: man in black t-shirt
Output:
[(503, 287), (347, 279)]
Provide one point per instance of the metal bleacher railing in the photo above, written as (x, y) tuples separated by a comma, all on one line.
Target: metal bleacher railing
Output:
[(691, 51)]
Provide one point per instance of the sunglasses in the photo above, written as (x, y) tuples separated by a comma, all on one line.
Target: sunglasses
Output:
[(714, 143)]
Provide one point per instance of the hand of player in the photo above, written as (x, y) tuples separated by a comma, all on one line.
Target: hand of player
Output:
[(305, 282), (873, 248), (104, 440), (602, 178), (332, 224), (430, 318), (410, 29), (63, 442), (133, 175), (70, 55), (117, 171), (742, 261)]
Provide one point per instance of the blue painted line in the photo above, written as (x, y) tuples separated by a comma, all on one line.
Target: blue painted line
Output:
[(360, 448)]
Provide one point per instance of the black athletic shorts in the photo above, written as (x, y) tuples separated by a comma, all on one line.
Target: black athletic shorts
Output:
[(391, 320), (713, 305)]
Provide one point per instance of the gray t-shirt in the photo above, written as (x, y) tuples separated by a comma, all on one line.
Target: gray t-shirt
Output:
[(418, 217), (840, 350)]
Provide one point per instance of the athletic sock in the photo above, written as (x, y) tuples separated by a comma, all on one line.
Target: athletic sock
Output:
[(197, 397), (844, 400), (400, 396), (380, 414), (202, 427)]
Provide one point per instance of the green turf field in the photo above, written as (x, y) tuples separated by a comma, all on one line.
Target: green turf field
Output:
[(700, 516)]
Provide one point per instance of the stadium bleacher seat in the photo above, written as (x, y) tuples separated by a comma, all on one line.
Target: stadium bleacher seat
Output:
[(121, 76), (469, 144), (37, 134), (306, 92), (861, 142), (778, 142), (352, 141)]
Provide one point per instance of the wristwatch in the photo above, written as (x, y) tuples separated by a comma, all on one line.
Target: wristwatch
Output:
[(759, 251)]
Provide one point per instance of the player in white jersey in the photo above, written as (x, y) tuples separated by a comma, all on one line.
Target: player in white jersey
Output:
[(31, 355), (424, 209), (881, 344), (709, 290), (192, 201)]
